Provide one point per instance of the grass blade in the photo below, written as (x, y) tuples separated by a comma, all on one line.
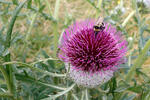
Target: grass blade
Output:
[(56, 9)]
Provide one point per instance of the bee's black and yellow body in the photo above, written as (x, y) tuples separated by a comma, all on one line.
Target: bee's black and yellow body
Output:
[(98, 27)]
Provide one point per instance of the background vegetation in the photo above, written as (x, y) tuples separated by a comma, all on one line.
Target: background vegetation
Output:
[(29, 35)]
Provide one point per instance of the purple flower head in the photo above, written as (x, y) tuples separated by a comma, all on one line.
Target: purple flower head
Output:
[(91, 59)]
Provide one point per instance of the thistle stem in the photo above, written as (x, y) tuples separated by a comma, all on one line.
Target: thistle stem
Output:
[(82, 96), (86, 94)]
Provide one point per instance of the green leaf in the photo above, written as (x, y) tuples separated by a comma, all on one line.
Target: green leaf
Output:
[(138, 62), (147, 96), (2, 48), (50, 62), (145, 77), (7, 45), (6, 52), (38, 82), (15, 2), (16, 37), (2, 36), (5, 2), (121, 88), (46, 16), (41, 8), (131, 97), (29, 3), (12, 22), (35, 69), (92, 3), (136, 89), (128, 97)]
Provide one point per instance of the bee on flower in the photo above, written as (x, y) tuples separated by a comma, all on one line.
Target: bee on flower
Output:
[(91, 60)]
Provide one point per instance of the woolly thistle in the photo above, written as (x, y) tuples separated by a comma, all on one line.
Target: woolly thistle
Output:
[(91, 59)]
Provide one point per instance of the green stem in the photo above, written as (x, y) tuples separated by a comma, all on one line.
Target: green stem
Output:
[(6, 77), (43, 60), (36, 69), (99, 3), (49, 7), (75, 97), (99, 7), (55, 28), (56, 9), (82, 96), (24, 48), (138, 62), (63, 92), (31, 26), (69, 95), (86, 94), (128, 18)]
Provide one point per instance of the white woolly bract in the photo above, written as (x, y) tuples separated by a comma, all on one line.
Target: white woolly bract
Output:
[(87, 79)]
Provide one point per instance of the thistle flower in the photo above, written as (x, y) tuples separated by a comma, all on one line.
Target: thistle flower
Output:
[(91, 59)]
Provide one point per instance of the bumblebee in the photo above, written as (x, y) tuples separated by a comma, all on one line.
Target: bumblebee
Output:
[(99, 26)]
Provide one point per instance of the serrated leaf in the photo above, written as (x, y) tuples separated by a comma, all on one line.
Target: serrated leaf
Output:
[(12, 22)]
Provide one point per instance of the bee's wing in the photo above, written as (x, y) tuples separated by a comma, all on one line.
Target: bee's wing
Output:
[(99, 20)]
